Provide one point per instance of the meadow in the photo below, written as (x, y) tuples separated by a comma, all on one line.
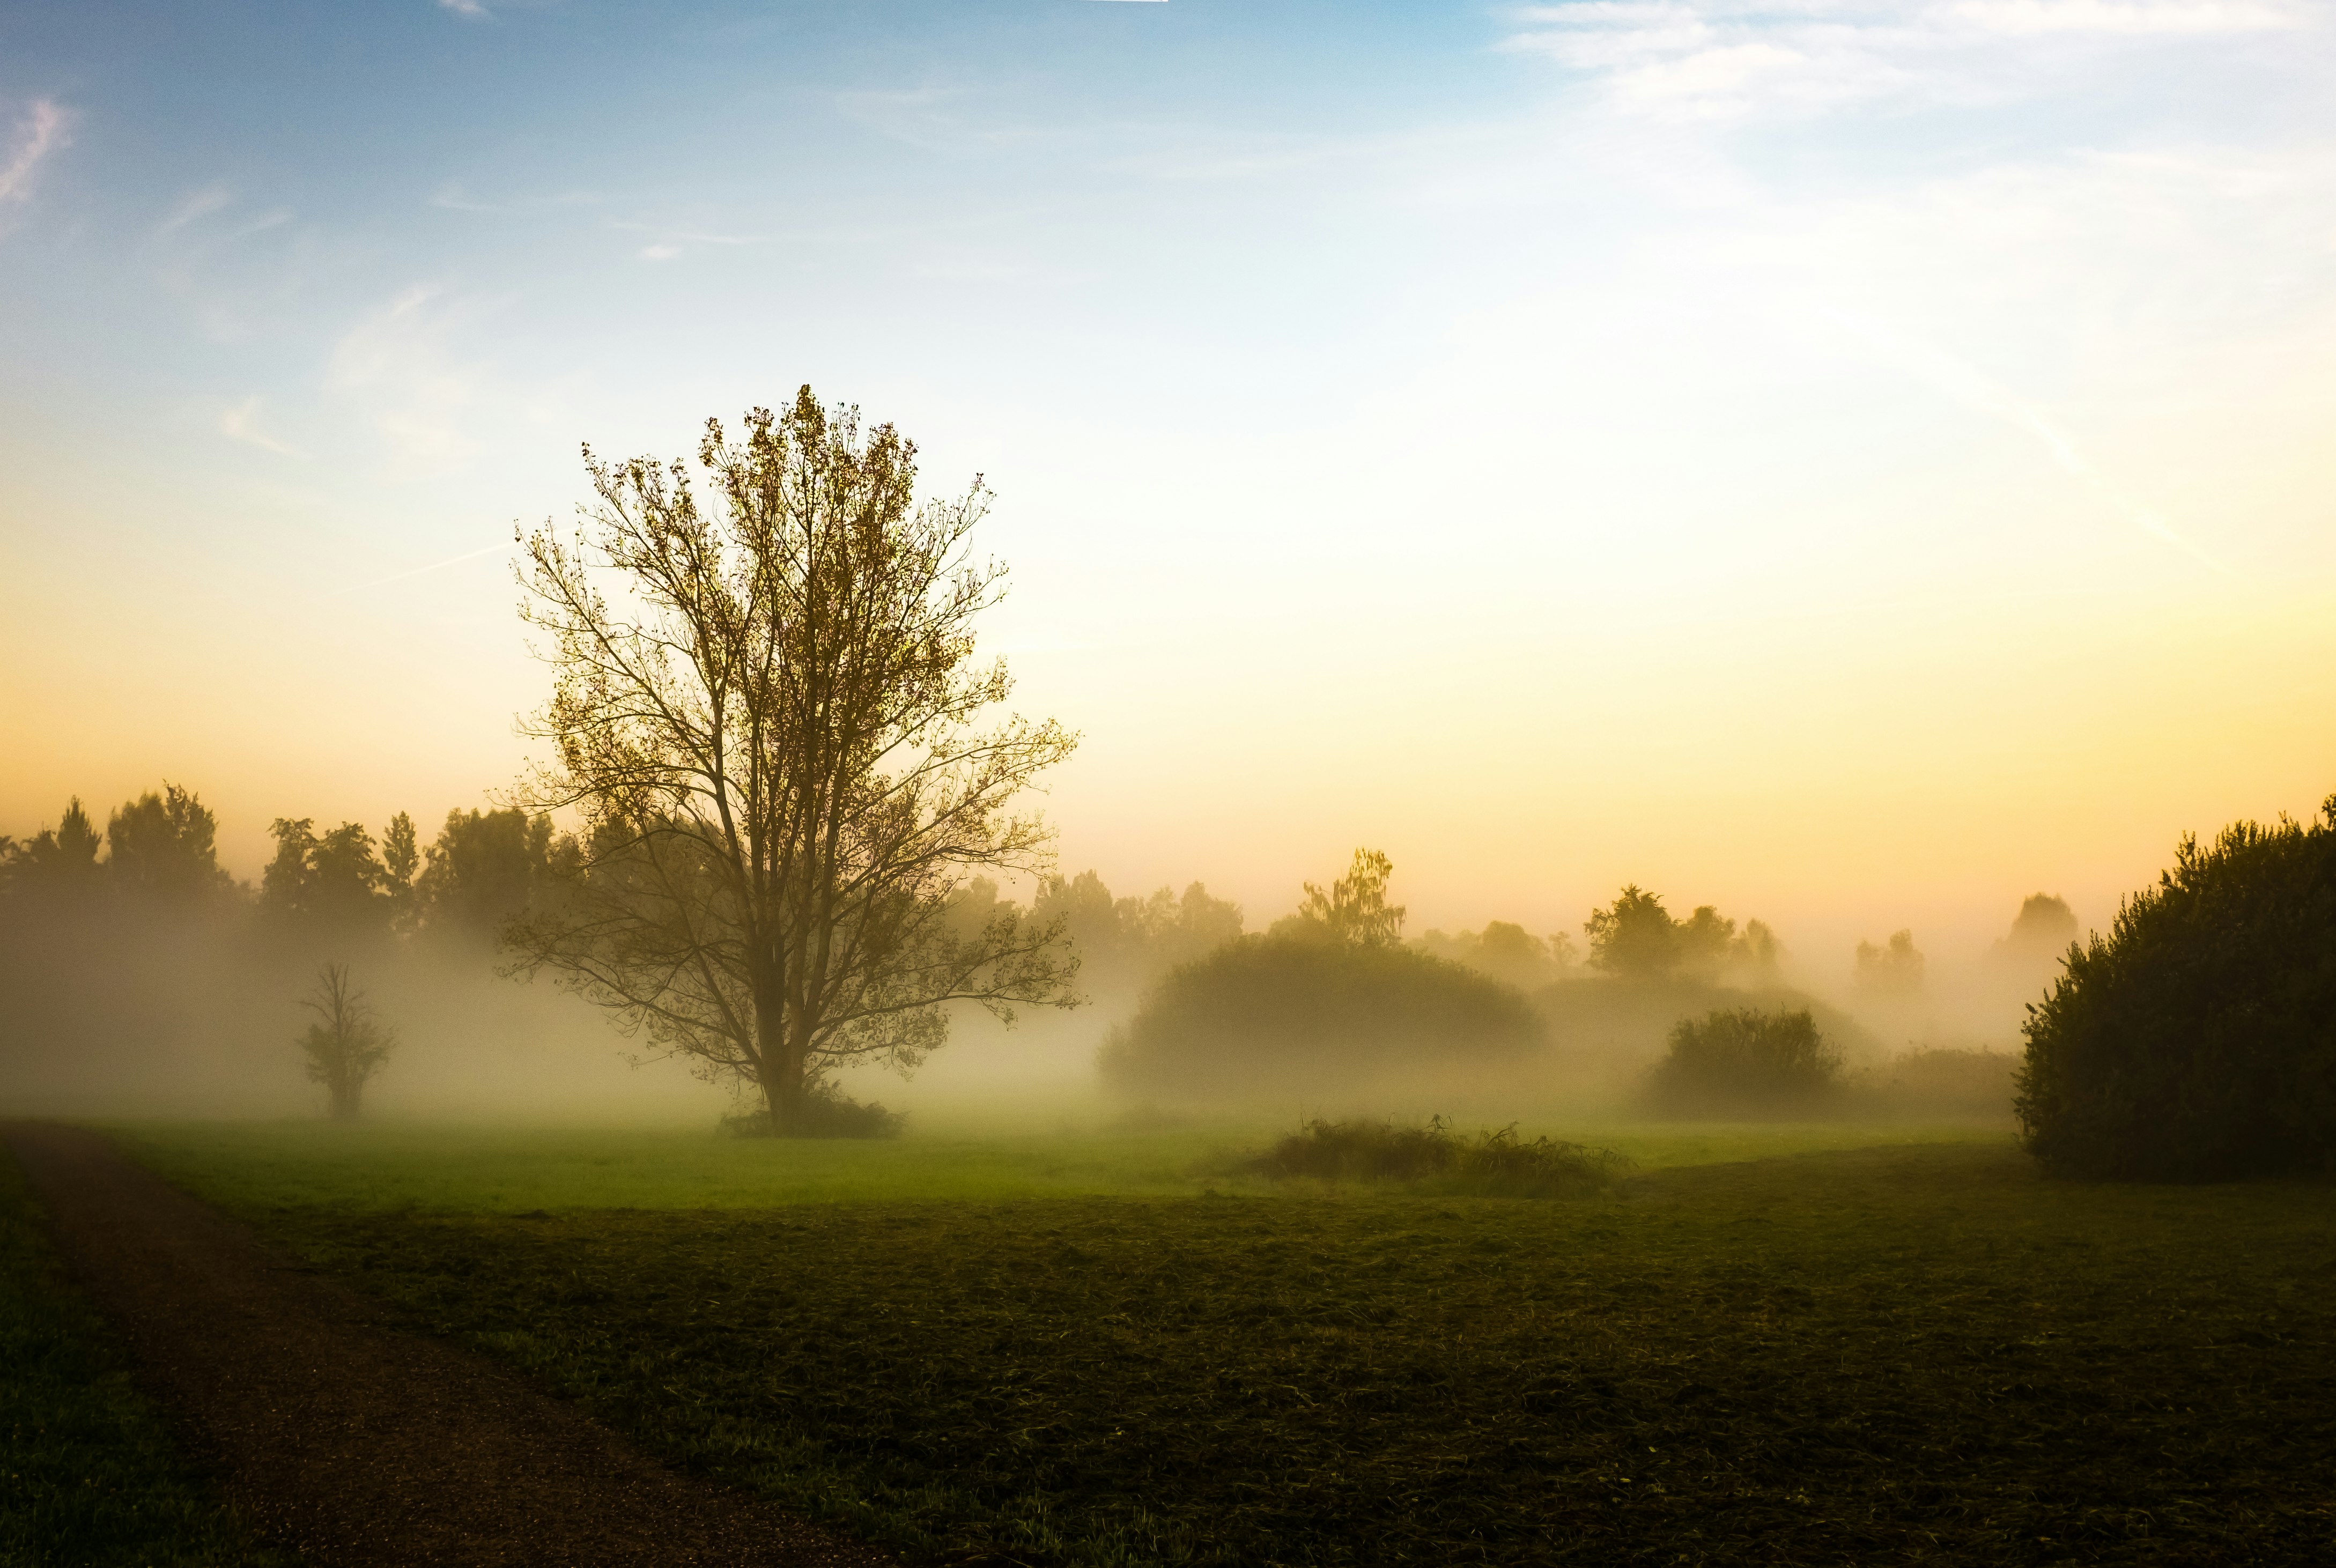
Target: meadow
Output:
[(1771, 1344)]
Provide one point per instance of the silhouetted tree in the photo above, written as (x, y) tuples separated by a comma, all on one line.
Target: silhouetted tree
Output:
[(1634, 937), (346, 1045), (771, 735), (1506, 951), (333, 887), (1353, 910), (1895, 969), (486, 868), (164, 846), (1745, 1061)]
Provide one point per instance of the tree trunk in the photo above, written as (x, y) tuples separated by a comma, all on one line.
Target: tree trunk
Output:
[(782, 1077)]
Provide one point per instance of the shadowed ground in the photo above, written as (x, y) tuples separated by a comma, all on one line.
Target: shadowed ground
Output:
[(355, 1445)]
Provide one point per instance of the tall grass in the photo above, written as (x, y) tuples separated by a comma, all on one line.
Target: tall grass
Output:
[(1492, 1164)]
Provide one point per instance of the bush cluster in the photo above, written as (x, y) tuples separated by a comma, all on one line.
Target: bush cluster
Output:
[(1497, 1164), (1282, 1015), (2197, 1038), (827, 1113), (1745, 1062)]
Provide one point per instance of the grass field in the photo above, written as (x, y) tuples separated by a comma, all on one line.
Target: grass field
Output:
[(88, 1472), (1066, 1350)]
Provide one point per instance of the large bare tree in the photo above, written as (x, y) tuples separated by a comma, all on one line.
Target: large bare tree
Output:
[(768, 714)]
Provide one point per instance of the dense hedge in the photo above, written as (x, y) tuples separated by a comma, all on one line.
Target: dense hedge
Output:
[(1276, 1016), (2197, 1039)]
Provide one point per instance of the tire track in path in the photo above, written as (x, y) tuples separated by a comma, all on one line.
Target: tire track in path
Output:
[(359, 1445)]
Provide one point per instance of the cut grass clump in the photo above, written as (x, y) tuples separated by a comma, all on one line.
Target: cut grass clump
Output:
[(1489, 1166)]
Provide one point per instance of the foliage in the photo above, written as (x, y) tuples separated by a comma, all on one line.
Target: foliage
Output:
[(827, 1113), (1892, 1355), (1127, 941), (1743, 1061), (1891, 969), (1615, 1017), (1353, 910), (767, 713), (346, 1045), (1291, 1015), (330, 888), (165, 846), (485, 870), (2045, 926), (88, 1470), (1636, 938), (2197, 1038), (1506, 951), (1492, 1164)]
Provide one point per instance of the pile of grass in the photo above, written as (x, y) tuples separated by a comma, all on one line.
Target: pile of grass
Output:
[(88, 1472), (1433, 1157)]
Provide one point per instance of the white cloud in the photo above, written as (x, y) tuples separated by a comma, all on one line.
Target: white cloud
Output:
[(1729, 57), (469, 10), (198, 206), (43, 130), (659, 252), (241, 423)]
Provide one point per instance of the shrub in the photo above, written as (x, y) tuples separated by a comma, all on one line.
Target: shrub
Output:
[(1280, 1014), (1491, 1164), (2197, 1039), (828, 1112), (1742, 1061)]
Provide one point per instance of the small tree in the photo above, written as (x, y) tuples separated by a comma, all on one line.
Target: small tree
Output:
[(346, 1045), (1893, 969), (1353, 910)]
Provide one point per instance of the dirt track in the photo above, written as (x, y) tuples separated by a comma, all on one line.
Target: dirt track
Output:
[(351, 1442)]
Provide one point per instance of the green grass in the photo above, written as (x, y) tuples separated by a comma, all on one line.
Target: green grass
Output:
[(88, 1472), (1919, 1354), (505, 1170)]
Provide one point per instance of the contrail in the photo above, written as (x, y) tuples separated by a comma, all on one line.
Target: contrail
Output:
[(434, 566)]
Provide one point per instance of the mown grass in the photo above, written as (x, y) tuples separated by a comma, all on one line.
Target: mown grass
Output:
[(1920, 1354), (515, 1170), (89, 1475)]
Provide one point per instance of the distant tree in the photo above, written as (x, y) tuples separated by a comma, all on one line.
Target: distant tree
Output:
[(59, 859), (1634, 937), (400, 853), (2040, 935), (1506, 951), (1353, 910), (485, 869), (766, 712), (1131, 941), (164, 846), (332, 886), (1891, 969), (346, 1045), (2196, 1039)]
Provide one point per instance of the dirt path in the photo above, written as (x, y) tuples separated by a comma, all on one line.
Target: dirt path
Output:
[(356, 1445)]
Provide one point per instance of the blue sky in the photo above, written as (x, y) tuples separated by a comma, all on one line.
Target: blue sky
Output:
[(1682, 440)]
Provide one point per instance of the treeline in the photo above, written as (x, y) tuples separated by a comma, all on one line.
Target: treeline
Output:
[(134, 968)]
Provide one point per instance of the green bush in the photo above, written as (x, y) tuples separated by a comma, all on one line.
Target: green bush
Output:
[(1277, 1015), (1491, 1164), (2197, 1039), (1744, 1062)]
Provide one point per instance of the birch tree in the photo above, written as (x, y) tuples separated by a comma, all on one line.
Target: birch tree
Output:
[(768, 714)]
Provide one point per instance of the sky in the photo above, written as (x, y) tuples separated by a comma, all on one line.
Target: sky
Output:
[(1853, 464)]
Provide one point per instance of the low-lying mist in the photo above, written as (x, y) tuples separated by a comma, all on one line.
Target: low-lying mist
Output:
[(137, 978)]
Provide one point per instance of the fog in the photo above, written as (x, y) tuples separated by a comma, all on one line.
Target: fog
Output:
[(140, 980)]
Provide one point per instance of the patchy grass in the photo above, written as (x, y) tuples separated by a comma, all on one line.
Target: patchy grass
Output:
[(88, 1472), (1920, 1354), (1435, 1158), (437, 1168)]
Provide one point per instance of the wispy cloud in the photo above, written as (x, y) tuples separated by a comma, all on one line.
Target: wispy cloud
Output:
[(43, 130), (241, 423), (469, 10), (1724, 57)]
